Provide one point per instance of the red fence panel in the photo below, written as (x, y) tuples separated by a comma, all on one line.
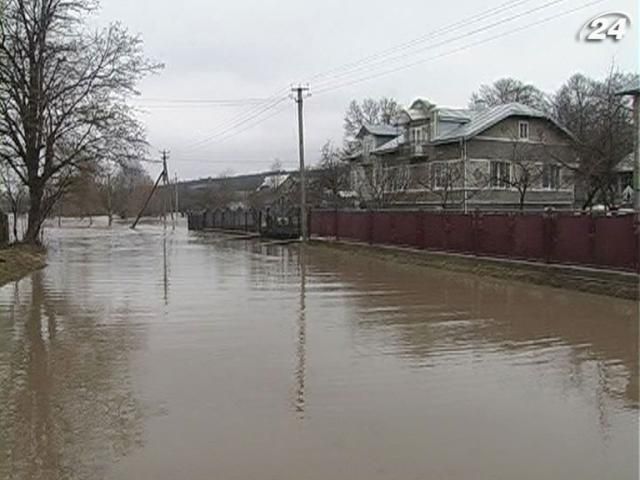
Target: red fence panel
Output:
[(405, 229), (615, 243), (572, 240), (529, 237), (610, 242), (459, 229), (435, 237), (495, 235), (382, 227), (353, 226)]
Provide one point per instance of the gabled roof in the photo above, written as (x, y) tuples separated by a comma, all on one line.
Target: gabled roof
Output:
[(378, 130), (484, 119)]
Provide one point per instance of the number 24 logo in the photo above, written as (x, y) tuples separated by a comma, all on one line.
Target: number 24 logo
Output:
[(613, 25)]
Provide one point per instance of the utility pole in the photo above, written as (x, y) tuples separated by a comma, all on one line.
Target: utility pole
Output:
[(299, 92), (167, 193), (177, 200), (162, 177)]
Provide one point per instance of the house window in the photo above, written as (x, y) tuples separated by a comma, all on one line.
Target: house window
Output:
[(551, 177), (437, 175), (523, 128), (500, 174)]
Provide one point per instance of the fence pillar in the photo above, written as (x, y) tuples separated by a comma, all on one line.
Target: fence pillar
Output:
[(476, 231), (512, 235), (336, 223), (420, 235), (370, 226), (549, 236), (447, 231), (592, 240)]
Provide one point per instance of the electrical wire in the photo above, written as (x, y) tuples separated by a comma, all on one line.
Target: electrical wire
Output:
[(458, 49)]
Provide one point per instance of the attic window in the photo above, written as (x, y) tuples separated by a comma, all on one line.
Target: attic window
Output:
[(523, 128)]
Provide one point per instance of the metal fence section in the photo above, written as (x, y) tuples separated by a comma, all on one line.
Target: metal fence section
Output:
[(611, 242), (268, 223)]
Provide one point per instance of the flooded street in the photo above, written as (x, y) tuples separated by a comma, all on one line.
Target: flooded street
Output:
[(136, 355)]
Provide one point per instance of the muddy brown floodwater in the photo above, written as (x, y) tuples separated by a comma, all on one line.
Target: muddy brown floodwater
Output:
[(136, 355)]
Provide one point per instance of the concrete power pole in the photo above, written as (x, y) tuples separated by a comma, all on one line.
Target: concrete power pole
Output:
[(177, 200), (299, 98)]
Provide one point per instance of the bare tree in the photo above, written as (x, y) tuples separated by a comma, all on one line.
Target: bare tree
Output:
[(602, 124), (382, 184), (369, 111), (13, 194), (333, 173), (63, 93), (441, 179), (507, 90), (526, 171)]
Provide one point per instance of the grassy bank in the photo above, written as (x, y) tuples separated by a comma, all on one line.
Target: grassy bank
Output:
[(601, 282), (20, 260)]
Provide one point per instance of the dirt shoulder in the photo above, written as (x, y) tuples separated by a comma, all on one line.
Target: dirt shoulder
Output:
[(601, 282), (20, 260)]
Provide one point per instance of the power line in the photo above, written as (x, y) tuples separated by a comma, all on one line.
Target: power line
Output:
[(252, 113), (408, 44), (445, 41), (226, 101), (458, 49), (232, 126)]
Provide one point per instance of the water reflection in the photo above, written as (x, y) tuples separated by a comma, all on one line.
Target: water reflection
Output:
[(424, 318), (68, 407), (302, 335), (263, 360)]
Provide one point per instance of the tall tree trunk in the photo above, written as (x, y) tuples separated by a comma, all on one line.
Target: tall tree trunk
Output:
[(35, 215)]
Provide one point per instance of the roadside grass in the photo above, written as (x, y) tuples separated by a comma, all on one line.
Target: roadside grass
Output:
[(17, 261)]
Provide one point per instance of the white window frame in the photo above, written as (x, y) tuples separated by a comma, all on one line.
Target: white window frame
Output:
[(523, 126), (551, 177), (500, 183)]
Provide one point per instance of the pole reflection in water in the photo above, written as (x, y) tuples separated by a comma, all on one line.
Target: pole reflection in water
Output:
[(302, 335)]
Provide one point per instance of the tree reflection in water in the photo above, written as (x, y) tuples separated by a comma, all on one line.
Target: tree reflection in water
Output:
[(68, 407)]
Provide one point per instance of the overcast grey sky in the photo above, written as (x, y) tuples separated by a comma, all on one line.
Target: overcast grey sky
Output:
[(247, 49)]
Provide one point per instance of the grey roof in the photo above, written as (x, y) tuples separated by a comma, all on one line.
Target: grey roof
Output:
[(625, 165), (390, 146), (379, 130), (631, 89), (454, 114), (484, 119)]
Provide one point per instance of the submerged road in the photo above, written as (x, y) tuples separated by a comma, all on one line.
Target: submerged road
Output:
[(152, 355)]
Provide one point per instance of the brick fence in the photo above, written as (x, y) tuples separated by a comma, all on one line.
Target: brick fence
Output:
[(611, 242)]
